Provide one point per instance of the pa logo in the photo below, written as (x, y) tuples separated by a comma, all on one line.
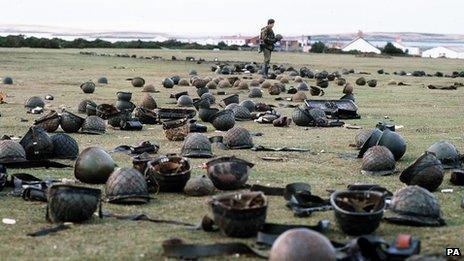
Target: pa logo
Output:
[(453, 252)]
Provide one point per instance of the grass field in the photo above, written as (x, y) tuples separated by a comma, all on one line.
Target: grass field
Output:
[(427, 116)]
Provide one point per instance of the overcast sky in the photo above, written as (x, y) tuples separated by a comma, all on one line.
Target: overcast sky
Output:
[(226, 17)]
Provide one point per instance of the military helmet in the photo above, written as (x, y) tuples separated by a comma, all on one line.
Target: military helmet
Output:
[(315, 91), (255, 93), (82, 107), (266, 85), (34, 101), (50, 122), (241, 113), (255, 83), (372, 83), (71, 122), (224, 84), (37, 144), (146, 116), (301, 116), (201, 103), (394, 142), (199, 83), (205, 114), (88, 87), (199, 186), (7, 80), (196, 145), (91, 109), (302, 244), (318, 117), (103, 80), (124, 105), (323, 83), (201, 91), (361, 81), (168, 83), (414, 205), (238, 138), (223, 120), (185, 101), (275, 89), (361, 137), (228, 173), (126, 186), (184, 82), (299, 97), (243, 85), (427, 172), (93, 166), (249, 104), (64, 146), (447, 153), (124, 96), (68, 203), (171, 173), (148, 102), (11, 151), (208, 96), (349, 96), (211, 85), (234, 98), (303, 87), (348, 88), (149, 88), (378, 161), (137, 81), (372, 140), (94, 125), (341, 81), (175, 79), (193, 72)]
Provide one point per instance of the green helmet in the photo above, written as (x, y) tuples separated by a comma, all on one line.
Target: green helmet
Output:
[(201, 91), (378, 161), (88, 87), (67, 203), (447, 153), (414, 205), (102, 80), (11, 151), (199, 186), (238, 138), (50, 122), (196, 145), (34, 102), (168, 83), (64, 146), (94, 125), (223, 120), (361, 81), (301, 117), (93, 166), (7, 80), (316, 91), (70, 122), (394, 142), (427, 172), (372, 83), (302, 244), (185, 101), (148, 102), (37, 144), (137, 82), (126, 186), (206, 114), (341, 81)]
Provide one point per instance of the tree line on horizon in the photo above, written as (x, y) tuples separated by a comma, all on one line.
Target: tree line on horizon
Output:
[(18, 41)]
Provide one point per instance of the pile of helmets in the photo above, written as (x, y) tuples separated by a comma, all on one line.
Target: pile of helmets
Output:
[(123, 102), (390, 139)]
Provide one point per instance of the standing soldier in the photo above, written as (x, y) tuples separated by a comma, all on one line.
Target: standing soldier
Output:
[(267, 41)]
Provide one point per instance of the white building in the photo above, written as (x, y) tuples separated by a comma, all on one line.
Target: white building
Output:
[(361, 45), (407, 49), (454, 52)]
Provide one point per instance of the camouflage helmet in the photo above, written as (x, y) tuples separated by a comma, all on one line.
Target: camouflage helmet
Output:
[(196, 145), (255, 93), (318, 117), (185, 101), (427, 172), (361, 137), (64, 146), (372, 83), (199, 83), (348, 88), (447, 153), (234, 98), (303, 87), (205, 114), (394, 142), (266, 85), (94, 125), (241, 113), (11, 151), (208, 96), (202, 90), (126, 186), (211, 85), (301, 117), (82, 107), (414, 205), (361, 81), (137, 81), (228, 173), (50, 122), (168, 83), (37, 144), (199, 186), (238, 138), (68, 203), (184, 82), (249, 104), (88, 87), (378, 161), (275, 89), (175, 79), (34, 102), (223, 120), (149, 88), (302, 244), (102, 80), (201, 103), (148, 102), (70, 122), (7, 80), (93, 166), (299, 96)]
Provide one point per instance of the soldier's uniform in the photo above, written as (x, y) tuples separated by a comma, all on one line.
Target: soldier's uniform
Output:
[(267, 46)]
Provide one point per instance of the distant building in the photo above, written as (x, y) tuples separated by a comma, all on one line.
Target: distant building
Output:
[(454, 52), (361, 45), (406, 49)]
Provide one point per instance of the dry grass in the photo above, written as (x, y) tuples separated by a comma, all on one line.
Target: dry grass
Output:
[(428, 116)]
